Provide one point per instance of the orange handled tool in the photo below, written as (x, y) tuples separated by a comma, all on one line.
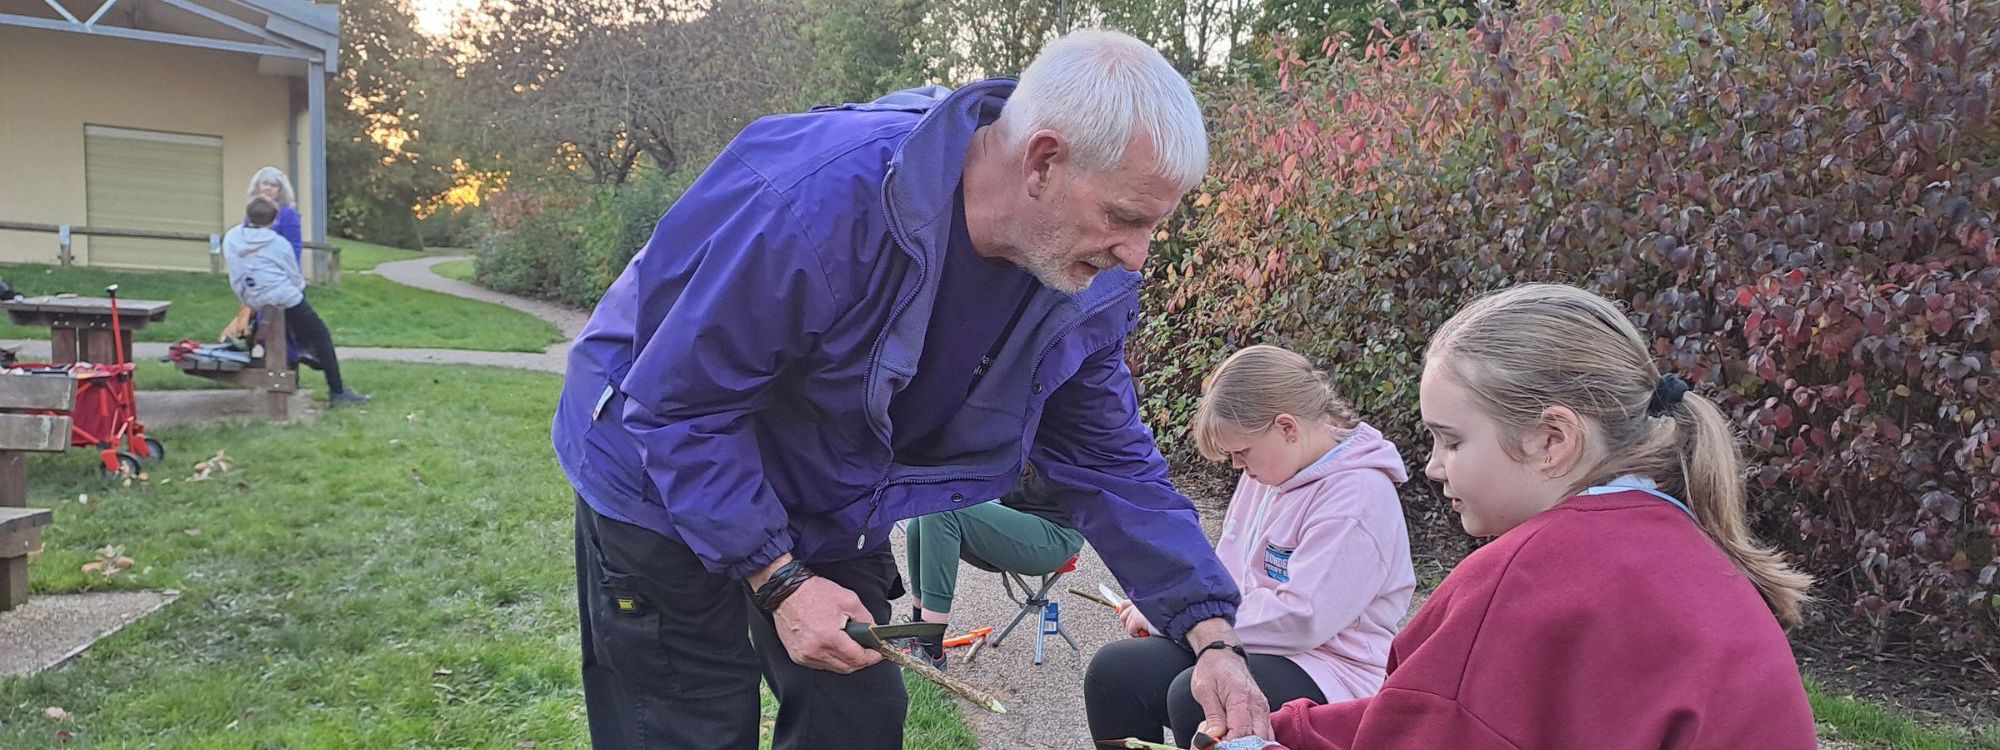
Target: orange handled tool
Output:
[(968, 638)]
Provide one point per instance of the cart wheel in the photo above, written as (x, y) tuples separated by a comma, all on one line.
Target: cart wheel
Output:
[(128, 464), (157, 449)]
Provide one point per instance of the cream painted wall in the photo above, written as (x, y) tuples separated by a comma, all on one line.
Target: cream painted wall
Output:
[(52, 83)]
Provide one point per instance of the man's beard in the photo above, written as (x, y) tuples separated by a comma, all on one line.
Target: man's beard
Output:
[(1047, 254)]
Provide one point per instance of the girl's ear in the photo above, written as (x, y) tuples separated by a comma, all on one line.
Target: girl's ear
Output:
[(1288, 426), (1556, 444)]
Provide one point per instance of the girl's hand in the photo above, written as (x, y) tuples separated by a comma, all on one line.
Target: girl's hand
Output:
[(1135, 623)]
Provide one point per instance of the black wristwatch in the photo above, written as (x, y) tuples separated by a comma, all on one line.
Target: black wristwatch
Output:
[(1236, 647)]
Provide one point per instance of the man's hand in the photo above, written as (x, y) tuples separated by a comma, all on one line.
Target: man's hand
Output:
[(1231, 703), (812, 624), (1134, 622)]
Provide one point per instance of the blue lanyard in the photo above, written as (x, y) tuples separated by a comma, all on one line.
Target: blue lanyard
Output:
[(1631, 482)]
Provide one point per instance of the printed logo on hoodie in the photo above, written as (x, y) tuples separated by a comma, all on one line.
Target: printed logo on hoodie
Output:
[(1278, 562)]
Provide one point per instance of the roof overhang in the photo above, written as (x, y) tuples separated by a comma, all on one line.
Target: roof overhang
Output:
[(287, 35)]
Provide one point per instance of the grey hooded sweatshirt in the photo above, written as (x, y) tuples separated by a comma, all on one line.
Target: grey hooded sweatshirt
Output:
[(262, 269)]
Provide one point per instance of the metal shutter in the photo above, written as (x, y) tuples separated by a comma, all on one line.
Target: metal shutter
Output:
[(141, 179)]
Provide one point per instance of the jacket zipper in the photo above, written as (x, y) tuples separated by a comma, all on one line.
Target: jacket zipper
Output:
[(875, 353)]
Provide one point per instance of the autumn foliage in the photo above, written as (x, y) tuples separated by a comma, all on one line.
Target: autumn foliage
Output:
[(1796, 200)]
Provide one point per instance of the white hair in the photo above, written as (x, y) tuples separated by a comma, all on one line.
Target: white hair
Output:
[(1098, 88), (274, 176)]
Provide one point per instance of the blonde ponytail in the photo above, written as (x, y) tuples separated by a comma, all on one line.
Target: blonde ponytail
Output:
[(1527, 348), (1711, 472)]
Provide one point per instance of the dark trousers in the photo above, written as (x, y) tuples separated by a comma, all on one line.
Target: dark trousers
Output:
[(304, 326), (1135, 686), (672, 652)]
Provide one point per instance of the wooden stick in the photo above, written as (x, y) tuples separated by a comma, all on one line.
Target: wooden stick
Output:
[(1094, 598), (1136, 744), (961, 688)]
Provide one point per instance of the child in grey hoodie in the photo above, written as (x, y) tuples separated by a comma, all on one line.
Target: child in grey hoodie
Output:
[(263, 271)]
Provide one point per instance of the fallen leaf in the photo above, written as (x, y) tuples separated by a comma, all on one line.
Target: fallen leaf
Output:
[(93, 567), (232, 724), (193, 532), (82, 499), (442, 672), (525, 745), (55, 713), (63, 735), (123, 561)]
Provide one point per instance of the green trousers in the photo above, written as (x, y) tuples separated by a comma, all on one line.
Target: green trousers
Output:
[(988, 534)]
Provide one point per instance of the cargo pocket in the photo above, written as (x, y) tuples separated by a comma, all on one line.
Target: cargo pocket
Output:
[(626, 627)]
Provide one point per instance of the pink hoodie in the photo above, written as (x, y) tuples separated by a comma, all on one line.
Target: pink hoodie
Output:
[(1323, 562)]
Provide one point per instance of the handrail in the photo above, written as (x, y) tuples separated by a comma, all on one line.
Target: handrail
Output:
[(326, 258)]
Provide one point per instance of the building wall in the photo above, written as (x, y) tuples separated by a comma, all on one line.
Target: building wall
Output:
[(53, 83)]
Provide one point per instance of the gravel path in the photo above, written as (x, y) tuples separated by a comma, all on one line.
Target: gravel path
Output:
[(1044, 702)]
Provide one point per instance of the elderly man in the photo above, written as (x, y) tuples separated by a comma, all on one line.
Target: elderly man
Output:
[(862, 314)]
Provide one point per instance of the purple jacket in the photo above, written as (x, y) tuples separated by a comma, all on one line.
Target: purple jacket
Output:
[(288, 228), (732, 388)]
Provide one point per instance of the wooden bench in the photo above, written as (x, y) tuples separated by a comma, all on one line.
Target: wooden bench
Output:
[(270, 371), (44, 426)]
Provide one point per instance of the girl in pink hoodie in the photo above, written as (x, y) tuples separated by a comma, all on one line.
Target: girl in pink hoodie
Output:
[(1624, 604), (1314, 537)]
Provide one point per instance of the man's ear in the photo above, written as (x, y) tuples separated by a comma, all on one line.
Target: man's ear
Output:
[(1556, 444), (1046, 151)]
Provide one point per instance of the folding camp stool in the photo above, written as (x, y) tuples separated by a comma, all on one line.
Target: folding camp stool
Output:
[(1033, 600)]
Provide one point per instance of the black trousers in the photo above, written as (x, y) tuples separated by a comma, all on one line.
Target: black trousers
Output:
[(1135, 686), (305, 327), (672, 652)]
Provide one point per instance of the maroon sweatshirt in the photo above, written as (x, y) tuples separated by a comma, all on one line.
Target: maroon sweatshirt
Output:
[(1609, 622)]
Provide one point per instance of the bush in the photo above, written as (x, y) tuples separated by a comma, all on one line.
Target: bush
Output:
[(566, 242), (1796, 200)]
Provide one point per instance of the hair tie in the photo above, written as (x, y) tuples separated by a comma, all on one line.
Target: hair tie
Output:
[(1667, 394)]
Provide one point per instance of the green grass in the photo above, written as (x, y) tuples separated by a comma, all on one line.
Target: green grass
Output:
[(455, 269), (1849, 719), (363, 310), (400, 576), (356, 255)]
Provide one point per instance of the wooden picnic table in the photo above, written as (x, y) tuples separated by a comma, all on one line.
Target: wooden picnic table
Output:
[(80, 327), (33, 417)]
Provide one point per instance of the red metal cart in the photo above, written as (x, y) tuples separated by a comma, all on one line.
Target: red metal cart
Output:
[(106, 414)]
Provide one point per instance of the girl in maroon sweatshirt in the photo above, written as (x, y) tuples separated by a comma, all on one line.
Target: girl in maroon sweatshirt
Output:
[(1624, 604)]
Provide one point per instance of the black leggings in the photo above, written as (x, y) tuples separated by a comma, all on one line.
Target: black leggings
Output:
[(312, 335), (1135, 686)]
